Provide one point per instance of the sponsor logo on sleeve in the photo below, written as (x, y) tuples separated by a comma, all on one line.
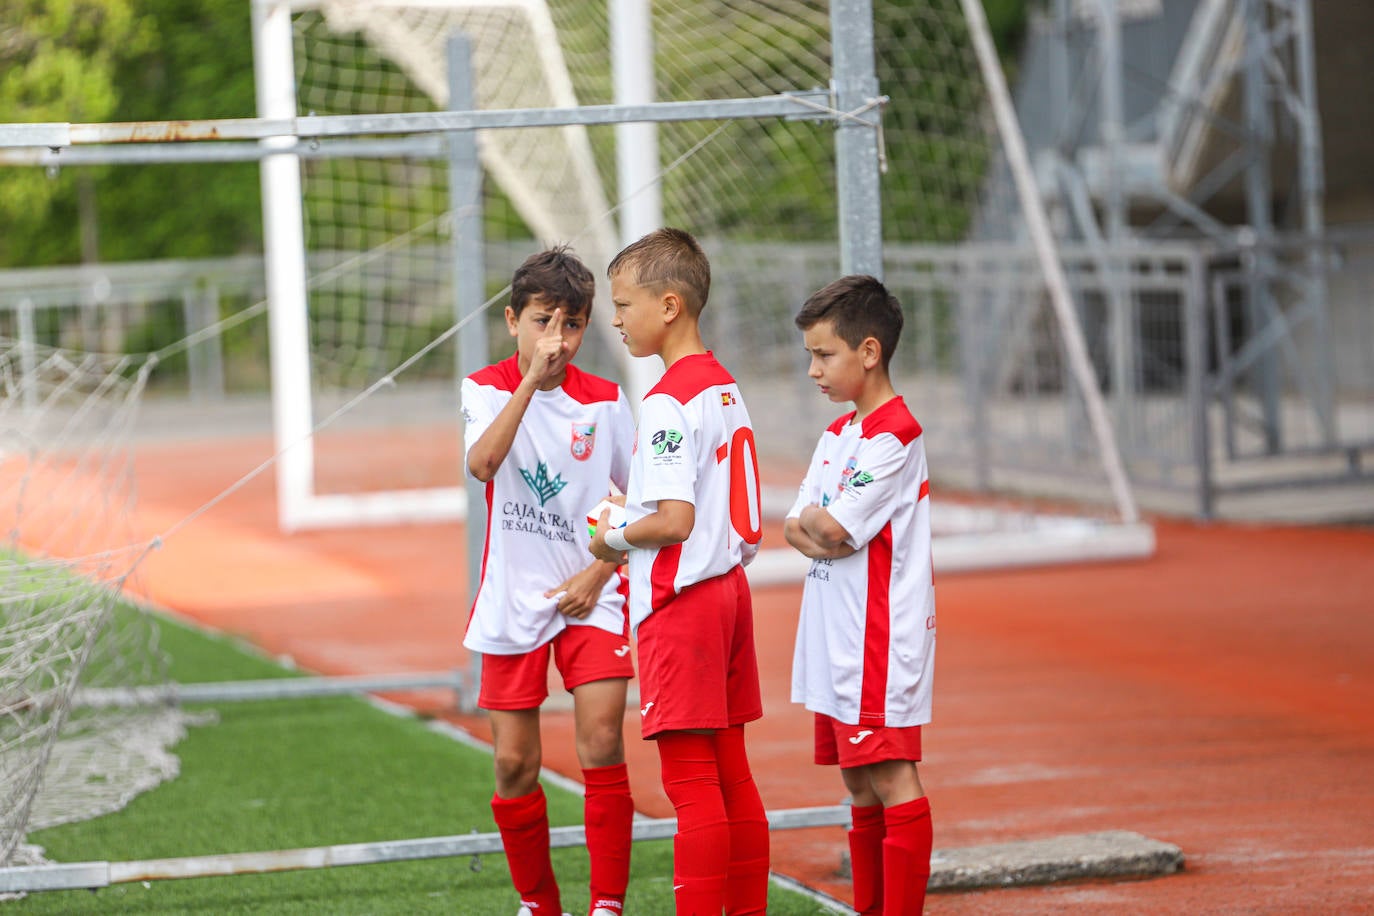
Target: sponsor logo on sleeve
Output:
[(666, 441)]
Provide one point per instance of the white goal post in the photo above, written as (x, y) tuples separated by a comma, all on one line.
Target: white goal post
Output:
[(405, 34)]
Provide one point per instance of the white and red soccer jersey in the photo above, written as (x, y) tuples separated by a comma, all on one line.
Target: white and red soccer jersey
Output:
[(572, 443), (694, 444), (865, 650)]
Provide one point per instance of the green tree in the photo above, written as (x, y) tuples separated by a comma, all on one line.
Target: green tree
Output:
[(201, 68), (60, 60)]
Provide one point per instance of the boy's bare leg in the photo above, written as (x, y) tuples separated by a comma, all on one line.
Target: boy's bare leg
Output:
[(599, 716), (518, 752), (892, 791), (889, 877), (520, 809), (865, 841)]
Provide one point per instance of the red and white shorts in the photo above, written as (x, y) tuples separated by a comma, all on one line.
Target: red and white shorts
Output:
[(859, 745), (582, 654), (697, 667)]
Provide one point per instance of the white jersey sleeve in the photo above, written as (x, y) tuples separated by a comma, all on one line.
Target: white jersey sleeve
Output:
[(869, 491)]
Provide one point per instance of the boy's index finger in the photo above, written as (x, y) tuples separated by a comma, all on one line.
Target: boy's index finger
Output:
[(555, 325)]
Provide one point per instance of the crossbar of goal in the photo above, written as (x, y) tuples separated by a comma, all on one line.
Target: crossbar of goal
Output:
[(810, 104), (92, 875)]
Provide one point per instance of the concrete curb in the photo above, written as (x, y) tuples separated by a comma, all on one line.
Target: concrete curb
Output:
[(1110, 854)]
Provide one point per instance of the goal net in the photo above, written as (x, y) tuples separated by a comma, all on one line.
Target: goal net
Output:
[(985, 359), (65, 495)]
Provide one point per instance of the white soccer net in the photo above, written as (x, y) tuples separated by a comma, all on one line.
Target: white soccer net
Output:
[(65, 495)]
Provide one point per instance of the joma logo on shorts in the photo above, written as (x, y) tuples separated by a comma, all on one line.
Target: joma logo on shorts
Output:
[(860, 736)]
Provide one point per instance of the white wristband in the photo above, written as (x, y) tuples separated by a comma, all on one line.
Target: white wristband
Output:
[(615, 539)]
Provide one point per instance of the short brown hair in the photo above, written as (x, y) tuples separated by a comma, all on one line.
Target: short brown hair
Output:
[(667, 258), (860, 307), (557, 276)]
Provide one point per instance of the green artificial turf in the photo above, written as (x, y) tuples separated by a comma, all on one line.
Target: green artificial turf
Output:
[(297, 773)]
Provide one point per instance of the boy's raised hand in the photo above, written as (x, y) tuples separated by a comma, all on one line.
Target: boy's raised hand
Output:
[(551, 352)]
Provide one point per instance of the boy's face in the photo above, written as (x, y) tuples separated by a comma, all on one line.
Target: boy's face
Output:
[(637, 315), (533, 324), (838, 369)]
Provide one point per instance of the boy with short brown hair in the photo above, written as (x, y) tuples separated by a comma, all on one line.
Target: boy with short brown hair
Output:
[(548, 440), (693, 521), (865, 648)]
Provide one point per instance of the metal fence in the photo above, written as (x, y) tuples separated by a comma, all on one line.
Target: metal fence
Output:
[(1208, 397)]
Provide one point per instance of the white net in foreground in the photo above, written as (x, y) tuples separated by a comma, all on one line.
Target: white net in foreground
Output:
[(65, 492)]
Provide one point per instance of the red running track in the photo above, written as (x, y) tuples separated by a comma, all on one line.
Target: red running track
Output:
[(1219, 696)]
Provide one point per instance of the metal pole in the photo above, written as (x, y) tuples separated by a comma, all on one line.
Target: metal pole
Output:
[(469, 295), (636, 144), (1122, 326), (1313, 188), (854, 83), (284, 258), (28, 356), (1038, 225), (1258, 188), (1195, 374), (639, 192)]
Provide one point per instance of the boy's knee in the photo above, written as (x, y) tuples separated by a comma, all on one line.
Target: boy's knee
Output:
[(517, 774), (602, 745)]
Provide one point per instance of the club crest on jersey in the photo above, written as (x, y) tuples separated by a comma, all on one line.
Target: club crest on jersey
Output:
[(583, 439), (540, 483), (666, 440)]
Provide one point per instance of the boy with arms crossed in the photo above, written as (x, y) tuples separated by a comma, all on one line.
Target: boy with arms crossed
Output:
[(694, 518), (865, 648), (547, 439)]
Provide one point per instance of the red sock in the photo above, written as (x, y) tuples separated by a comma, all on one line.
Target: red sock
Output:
[(866, 858), (609, 814), (524, 826), (701, 847), (746, 888), (906, 858)]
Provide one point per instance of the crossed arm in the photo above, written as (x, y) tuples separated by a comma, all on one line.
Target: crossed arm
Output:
[(816, 534)]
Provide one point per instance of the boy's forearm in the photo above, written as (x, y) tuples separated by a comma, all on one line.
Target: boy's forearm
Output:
[(795, 535), (492, 447), (809, 547), (670, 524), (820, 526)]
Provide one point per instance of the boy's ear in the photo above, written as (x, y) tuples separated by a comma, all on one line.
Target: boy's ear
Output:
[(512, 322), (871, 352), (672, 306)]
